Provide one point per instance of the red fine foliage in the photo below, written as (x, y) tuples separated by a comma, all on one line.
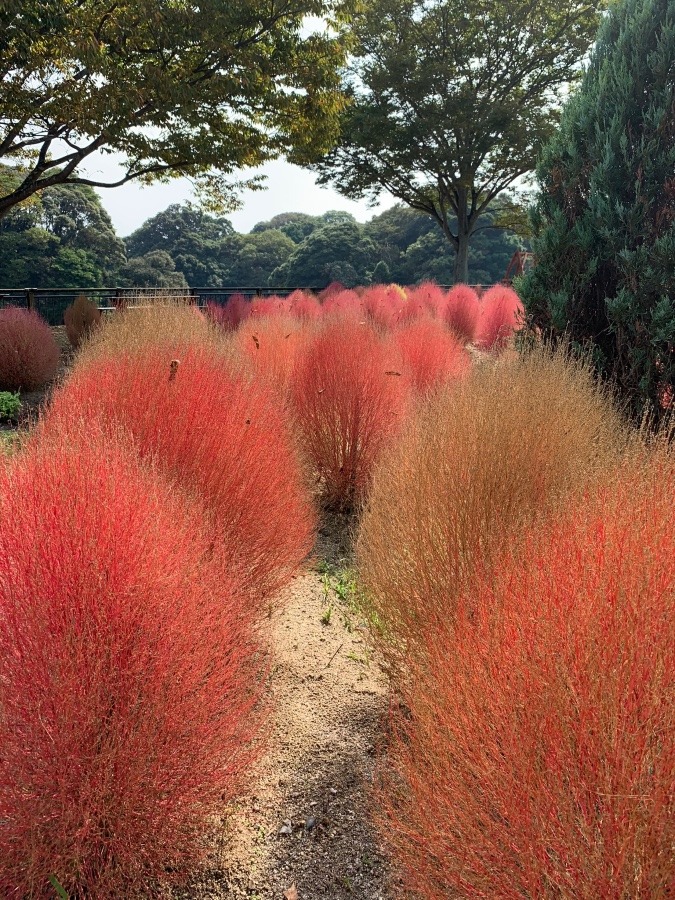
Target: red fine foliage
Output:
[(268, 306), (218, 433), (462, 311), (384, 304), (538, 759), (431, 354), (335, 287), (304, 307), (433, 299), (348, 403), (29, 354), (231, 314), (125, 675), (343, 304), (501, 314), (271, 345)]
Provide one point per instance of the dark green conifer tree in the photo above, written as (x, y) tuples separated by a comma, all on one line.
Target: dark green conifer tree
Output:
[(604, 219)]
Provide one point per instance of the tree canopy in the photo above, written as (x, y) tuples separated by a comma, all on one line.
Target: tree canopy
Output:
[(605, 214), (452, 100), (337, 252), (153, 269), (174, 87), (64, 238)]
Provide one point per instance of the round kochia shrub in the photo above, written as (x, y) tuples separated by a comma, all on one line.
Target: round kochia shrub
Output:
[(432, 355), (269, 346), (125, 674), (501, 315), (472, 466), (348, 396), (222, 436), (81, 317), (462, 311), (538, 756), (29, 355)]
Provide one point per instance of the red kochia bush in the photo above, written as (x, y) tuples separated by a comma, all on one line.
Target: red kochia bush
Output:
[(431, 354), (270, 345), (348, 400), (268, 306), (501, 314), (223, 436), (125, 675), (29, 355), (343, 304), (433, 298), (384, 304), (539, 757), (303, 306), (230, 315), (462, 311)]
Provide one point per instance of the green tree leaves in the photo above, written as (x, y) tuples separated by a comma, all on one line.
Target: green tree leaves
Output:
[(605, 214), (452, 100), (177, 88), (62, 238)]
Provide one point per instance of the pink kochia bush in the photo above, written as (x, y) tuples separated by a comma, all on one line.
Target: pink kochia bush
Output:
[(431, 354), (304, 306), (538, 756), (230, 315), (29, 355), (462, 311), (221, 435), (431, 297), (270, 346), (384, 305), (501, 314), (348, 396), (125, 674), (343, 304)]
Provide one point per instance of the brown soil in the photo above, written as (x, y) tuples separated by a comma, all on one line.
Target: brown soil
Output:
[(305, 822)]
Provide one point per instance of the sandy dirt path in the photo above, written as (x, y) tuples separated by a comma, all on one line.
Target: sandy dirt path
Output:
[(304, 830)]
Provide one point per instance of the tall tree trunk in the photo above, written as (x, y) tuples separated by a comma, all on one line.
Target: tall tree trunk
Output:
[(461, 274), (463, 234)]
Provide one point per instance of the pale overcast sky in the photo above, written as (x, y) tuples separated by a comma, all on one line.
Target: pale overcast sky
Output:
[(289, 189)]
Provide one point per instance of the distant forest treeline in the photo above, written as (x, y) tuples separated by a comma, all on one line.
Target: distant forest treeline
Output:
[(65, 238)]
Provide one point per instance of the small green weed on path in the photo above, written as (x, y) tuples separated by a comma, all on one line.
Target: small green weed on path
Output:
[(341, 592)]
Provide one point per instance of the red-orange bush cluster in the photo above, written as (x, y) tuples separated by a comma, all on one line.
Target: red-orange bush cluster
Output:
[(431, 354), (537, 758), (348, 397), (462, 311), (219, 434), (488, 319), (125, 673), (500, 315), (29, 355)]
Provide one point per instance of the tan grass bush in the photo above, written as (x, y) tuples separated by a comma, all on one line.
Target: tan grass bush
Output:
[(81, 318), (170, 321), (475, 464), (536, 756)]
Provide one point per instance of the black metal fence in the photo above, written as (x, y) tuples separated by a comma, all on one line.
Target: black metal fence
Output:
[(51, 302)]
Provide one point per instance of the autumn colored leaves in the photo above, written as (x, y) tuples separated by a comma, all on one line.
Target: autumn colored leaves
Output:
[(153, 516), (518, 559), (515, 556)]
